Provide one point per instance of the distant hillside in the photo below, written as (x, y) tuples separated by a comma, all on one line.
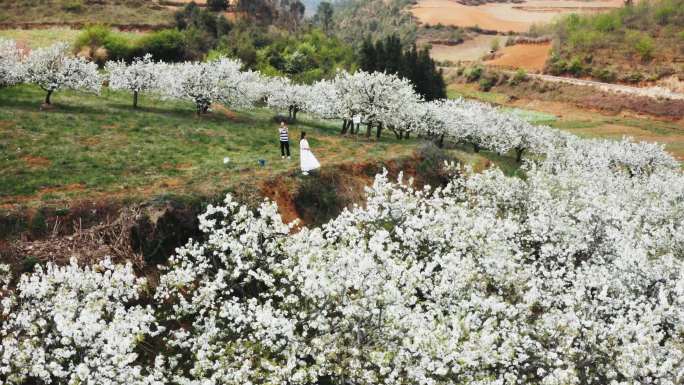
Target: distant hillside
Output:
[(641, 42), (356, 19), (129, 12)]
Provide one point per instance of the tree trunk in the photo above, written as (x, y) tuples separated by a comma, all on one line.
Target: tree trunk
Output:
[(345, 127), (476, 147), (199, 108), (294, 113), (406, 134), (378, 132), (47, 97), (135, 99), (369, 127), (440, 144), (519, 153)]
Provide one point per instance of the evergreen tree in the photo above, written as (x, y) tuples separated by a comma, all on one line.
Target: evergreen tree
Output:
[(368, 58), (386, 55), (324, 15)]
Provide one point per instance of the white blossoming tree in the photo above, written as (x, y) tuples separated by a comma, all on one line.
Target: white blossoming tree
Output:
[(376, 97), (216, 81), (53, 68), (285, 95), (141, 75), (322, 100), (11, 66)]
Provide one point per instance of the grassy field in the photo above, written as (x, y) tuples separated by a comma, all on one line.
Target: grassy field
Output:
[(100, 145), (38, 38), (81, 11), (91, 147)]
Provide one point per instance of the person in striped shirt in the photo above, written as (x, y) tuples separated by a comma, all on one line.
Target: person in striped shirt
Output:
[(284, 140)]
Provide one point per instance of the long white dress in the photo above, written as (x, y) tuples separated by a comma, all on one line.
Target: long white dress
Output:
[(307, 159)]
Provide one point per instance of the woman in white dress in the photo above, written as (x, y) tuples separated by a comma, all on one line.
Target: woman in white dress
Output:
[(307, 159)]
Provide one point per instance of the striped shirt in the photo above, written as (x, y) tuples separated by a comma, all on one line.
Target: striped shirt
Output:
[(283, 134)]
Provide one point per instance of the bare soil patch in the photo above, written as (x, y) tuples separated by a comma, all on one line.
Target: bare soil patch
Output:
[(530, 57), (595, 99), (36, 161), (504, 17), (470, 50)]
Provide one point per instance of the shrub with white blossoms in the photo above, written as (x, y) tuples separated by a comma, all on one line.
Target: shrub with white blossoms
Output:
[(73, 325), (11, 67), (54, 68), (141, 75)]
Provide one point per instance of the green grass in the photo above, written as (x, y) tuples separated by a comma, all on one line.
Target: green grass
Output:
[(534, 117), (91, 145), (82, 11), (99, 147), (38, 38), (473, 93), (671, 134)]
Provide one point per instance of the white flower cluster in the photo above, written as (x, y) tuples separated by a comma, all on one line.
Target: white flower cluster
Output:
[(284, 95), (11, 70), (77, 325), (218, 81), (561, 278)]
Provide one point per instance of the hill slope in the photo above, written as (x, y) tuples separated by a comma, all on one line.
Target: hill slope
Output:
[(357, 19), (120, 12), (643, 42)]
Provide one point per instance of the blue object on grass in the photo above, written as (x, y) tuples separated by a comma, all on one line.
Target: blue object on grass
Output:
[(262, 162)]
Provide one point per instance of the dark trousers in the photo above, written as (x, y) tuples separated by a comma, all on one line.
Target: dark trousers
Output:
[(285, 147)]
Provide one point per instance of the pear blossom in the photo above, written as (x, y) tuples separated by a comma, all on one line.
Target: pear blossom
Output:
[(573, 274), (11, 67), (217, 81), (376, 97), (77, 325)]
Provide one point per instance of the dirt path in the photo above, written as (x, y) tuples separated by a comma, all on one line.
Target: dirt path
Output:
[(651, 92)]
